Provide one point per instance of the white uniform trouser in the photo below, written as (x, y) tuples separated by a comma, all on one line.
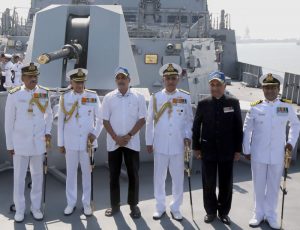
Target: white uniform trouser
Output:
[(72, 160), (175, 163), (266, 182), (36, 171)]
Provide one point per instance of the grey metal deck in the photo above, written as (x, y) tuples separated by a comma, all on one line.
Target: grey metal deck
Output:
[(54, 219)]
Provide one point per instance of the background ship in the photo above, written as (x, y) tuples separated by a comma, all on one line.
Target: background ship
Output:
[(160, 31), (183, 32)]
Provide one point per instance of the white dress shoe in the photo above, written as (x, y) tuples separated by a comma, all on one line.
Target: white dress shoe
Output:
[(69, 210), (87, 210), (158, 215), (37, 214), (19, 217), (255, 221), (176, 215), (273, 223)]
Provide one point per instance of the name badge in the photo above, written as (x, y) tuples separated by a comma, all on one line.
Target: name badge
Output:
[(282, 111), (228, 109)]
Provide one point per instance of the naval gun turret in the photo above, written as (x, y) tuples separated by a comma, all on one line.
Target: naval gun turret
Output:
[(64, 37), (94, 37)]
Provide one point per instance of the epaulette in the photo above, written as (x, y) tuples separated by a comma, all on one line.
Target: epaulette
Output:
[(66, 91), (90, 91), (186, 92), (13, 90), (155, 92), (256, 102), (45, 88), (286, 101)]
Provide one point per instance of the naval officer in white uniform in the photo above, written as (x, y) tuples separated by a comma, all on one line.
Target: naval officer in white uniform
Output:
[(6, 71), (265, 143), (168, 127), (16, 71), (28, 122), (79, 120)]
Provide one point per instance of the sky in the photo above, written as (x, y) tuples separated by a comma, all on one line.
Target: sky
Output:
[(265, 18), (268, 19)]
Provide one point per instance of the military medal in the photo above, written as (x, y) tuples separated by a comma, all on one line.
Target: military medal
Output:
[(85, 100), (282, 111)]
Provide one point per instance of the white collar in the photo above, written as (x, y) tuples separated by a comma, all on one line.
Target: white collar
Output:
[(119, 94), (169, 93)]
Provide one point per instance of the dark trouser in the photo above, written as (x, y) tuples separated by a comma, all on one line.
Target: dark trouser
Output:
[(212, 203), (132, 162)]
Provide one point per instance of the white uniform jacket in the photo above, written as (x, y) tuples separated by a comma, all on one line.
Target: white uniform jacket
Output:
[(6, 71), (175, 124), (86, 118), (265, 131), (25, 124), (17, 68)]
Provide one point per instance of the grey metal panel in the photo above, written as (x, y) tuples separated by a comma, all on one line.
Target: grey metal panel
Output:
[(48, 34), (290, 83), (109, 47), (188, 5), (250, 79), (171, 59), (284, 86), (295, 89)]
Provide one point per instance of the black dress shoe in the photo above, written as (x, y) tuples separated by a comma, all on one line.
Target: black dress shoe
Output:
[(209, 218), (225, 219), (135, 212)]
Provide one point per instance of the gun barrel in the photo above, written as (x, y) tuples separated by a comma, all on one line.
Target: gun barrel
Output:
[(68, 51), (48, 57)]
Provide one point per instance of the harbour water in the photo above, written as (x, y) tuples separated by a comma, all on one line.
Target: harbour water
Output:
[(282, 57)]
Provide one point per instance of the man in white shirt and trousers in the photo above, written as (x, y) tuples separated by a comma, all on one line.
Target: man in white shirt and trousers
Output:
[(168, 129), (28, 122), (124, 113), (265, 144), (79, 121)]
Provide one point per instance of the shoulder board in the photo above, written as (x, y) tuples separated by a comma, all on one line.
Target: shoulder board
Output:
[(66, 91), (13, 90), (256, 102), (155, 92), (90, 91), (286, 101), (183, 91), (45, 88)]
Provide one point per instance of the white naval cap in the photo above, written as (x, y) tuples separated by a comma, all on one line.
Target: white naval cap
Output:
[(270, 79), (31, 69), (170, 69), (8, 56), (78, 74)]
